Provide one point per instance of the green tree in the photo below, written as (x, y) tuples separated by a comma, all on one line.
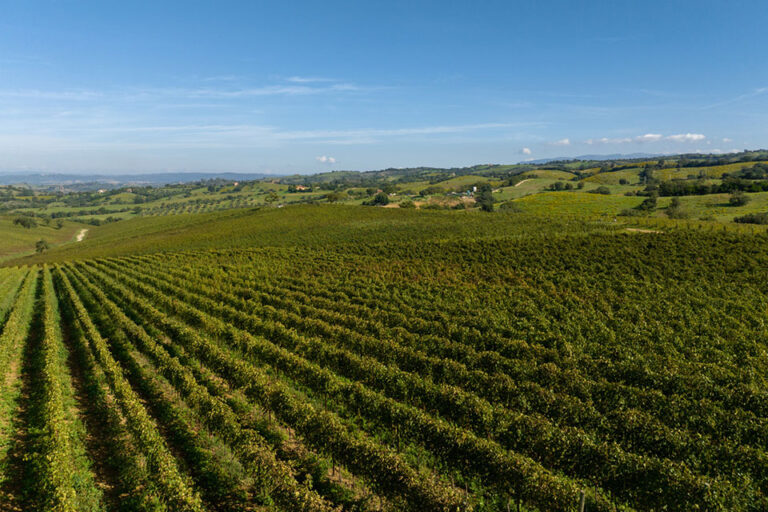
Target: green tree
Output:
[(738, 198), (649, 203), (484, 197), (272, 197), (41, 246), (675, 209), (26, 222), (334, 197), (380, 199)]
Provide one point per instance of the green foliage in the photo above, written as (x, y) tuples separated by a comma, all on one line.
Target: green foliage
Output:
[(675, 209), (738, 198), (431, 191), (753, 218), (271, 197), (510, 206), (355, 344), (484, 197), (25, 221), (560, 186), (649, 203), (380, 199), (334, 197), (450, 360)]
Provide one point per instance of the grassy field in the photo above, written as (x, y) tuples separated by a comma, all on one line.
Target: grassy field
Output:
[(614, 177), (17, 240), (548, 174), (316, 224), (714, 171), (575, 203), (308, 225), (717, 206)]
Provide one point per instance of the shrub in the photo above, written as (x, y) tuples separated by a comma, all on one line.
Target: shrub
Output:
[(26, 222), (632, 212), (433, 190), (675, 209), (649, 203), (380, 199), (484, 197), (510, 206), (753, 218), (738, 198)]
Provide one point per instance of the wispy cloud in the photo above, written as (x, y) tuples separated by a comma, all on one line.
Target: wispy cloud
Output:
[(308, 79), (394, 132), (148, 94), (608, 140), (269, 90), (36, 94), (326, 159), (562, 142), (237, 135), (220, 78), (525, 151), (648, 138), (741, 97)]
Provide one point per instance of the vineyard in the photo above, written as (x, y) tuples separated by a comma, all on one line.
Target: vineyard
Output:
[(629, 371)]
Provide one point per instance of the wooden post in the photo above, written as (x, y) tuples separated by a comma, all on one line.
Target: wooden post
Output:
[(581, 501)]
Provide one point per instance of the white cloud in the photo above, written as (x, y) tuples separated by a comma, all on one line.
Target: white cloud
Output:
[(525, 151), (649, 137), (727, 140), (686, 137), (326, 160), (562, 142)]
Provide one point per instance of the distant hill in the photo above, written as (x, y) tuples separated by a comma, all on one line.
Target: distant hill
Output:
[(95, 181), (615, 156)]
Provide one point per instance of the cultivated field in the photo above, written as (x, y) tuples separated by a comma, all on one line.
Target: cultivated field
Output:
[(380, 373)]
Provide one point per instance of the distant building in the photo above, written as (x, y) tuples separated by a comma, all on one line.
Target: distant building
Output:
[(301, 187)]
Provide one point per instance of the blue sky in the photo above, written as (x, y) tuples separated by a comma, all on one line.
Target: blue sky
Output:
[(288, 87)]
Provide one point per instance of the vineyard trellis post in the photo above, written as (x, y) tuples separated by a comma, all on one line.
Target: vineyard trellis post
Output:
[(582, 497)]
